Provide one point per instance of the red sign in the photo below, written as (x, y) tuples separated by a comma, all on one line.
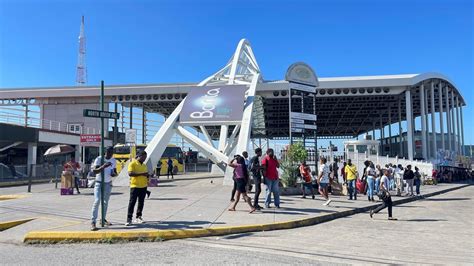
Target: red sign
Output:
[(418, 143), (90, 140)]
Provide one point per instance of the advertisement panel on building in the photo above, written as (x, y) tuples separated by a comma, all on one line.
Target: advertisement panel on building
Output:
[(216, 105)]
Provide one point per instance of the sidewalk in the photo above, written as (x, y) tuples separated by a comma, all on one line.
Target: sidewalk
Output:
[(188, 202)]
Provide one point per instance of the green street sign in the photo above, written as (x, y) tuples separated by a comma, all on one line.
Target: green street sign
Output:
[(100, 114)]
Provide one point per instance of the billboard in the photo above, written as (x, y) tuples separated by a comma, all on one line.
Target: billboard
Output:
[(214, 105)]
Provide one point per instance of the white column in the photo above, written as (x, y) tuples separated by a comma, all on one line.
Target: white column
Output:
[(448, 118), (424, 141), (441, 114), (31, 158), (433, 122), (222, 142), (409, 112), (390, 130), (400, 139), (427, 126), (453, 122), (462, 129), (458, 127)]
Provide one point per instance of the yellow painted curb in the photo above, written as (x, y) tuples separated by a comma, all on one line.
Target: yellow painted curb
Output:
[(9, 197), (7, 225), (59, 236)]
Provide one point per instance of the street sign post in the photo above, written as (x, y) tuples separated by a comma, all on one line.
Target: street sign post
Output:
[(100, 114)]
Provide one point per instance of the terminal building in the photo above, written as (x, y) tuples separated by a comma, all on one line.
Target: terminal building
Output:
[(413, 116)]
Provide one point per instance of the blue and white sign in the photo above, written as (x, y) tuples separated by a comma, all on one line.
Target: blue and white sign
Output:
[(214, 105)]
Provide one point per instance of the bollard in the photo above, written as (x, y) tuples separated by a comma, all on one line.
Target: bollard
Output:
[(55, 175), (29, 176)]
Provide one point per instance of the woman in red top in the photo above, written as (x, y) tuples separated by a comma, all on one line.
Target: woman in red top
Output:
[(305, 172), (241, 177)]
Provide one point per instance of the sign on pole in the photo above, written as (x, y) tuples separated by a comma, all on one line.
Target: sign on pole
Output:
[(131, 135), (100, 114), (92, 140)]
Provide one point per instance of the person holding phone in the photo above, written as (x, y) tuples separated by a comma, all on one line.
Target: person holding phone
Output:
[(109, 169), (138, 172)]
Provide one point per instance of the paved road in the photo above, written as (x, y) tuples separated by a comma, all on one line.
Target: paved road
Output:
[(437, 230)]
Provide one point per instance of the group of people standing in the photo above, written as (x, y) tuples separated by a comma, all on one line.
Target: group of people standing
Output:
[(261, 170), (138, 172)]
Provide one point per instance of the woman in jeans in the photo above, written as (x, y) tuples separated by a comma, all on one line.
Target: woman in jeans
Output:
[(370, 173), (241, 177)]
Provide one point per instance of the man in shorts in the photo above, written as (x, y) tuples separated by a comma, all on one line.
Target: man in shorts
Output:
[(323, 180)]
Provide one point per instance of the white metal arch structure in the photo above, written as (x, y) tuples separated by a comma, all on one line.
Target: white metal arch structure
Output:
[(242, 69)]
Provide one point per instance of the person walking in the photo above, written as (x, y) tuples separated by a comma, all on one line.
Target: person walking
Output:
[(385, 197), (323, 180), (158, 168), (241, 177), (271, 179), (247, 162), (109, 170), (417, 180), (305, 173), (370, 173), (351, 177), (409, 177), (256, 170), (170, 168), (138, 172), (334, 168)]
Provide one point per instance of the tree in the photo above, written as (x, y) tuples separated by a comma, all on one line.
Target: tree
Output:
[(295, 154)]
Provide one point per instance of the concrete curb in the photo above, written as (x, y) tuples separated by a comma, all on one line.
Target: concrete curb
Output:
[(7, 225), (152, 235), (23, 182)]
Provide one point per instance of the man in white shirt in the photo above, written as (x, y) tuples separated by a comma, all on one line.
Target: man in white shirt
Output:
[(109, 169), (399, 179), (323, 180)]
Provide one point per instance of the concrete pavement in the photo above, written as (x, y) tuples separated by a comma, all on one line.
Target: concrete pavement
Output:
[(188, 202), (438, 230)]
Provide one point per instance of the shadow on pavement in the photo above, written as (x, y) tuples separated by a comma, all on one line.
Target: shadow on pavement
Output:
[(448, 199), (297, 210), (167, 225), (424, 220), (238, 236), (166, 199)]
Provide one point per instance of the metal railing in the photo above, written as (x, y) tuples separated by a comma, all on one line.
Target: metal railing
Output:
[(16, 119), (197, 167)]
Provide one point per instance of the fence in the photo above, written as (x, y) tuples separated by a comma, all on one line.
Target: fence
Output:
[(197, 167)]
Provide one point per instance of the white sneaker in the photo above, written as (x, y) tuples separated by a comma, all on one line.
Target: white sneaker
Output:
[(139, 220), (327, 202), (128, 223)]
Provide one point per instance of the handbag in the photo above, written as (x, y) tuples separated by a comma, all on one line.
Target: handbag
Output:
[(383, 195)]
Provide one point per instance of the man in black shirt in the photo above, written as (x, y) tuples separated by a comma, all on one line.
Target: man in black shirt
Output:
[(256, 170), (409, 177)]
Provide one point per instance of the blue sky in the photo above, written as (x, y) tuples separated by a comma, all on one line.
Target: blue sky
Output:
[(186, 41)]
